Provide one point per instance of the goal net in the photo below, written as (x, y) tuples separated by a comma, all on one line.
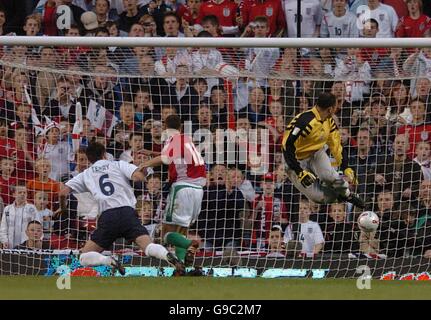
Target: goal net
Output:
[(235, 99)]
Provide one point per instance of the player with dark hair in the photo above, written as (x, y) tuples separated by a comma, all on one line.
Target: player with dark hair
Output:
[(309, 166), (108, 182), (187, 176)]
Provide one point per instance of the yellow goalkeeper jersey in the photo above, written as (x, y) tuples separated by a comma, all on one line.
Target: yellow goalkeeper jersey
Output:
[(308, 133)]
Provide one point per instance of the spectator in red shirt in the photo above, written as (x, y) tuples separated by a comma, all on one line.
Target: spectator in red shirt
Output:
[(7, 179), (225, 11), (275, 124), (399, 6), (415, 24), (22, 149), (190, 11), (272, 9), (49, 18), (418, 130), (70, 55), (3, 132), (267, 211)]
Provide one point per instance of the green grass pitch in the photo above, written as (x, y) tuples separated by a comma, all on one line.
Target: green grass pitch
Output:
[(29, 287)]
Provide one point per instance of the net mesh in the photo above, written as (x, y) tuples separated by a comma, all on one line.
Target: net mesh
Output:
[(251, 213)]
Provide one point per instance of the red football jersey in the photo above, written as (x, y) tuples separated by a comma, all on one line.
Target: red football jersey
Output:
[(269, 212), (374, 55), (224, 11), (24, 169), (185, 162), (411, 28), (49, 21), (6, 189), (269, 8), (416, 134), (184, 12), (399, 6)]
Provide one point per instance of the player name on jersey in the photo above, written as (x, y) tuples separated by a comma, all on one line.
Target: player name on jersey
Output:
[(100, 169)]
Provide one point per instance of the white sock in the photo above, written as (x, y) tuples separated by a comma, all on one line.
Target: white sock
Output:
[(94, 258), (156, 251)]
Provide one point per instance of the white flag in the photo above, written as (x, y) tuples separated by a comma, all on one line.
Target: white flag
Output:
[(102, 119)]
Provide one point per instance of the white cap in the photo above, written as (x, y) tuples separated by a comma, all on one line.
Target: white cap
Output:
[(89, 20)]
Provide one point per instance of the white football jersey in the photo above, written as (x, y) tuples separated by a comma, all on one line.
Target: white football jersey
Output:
[(426, 168), (207, 60), (310, 235), (311, 16), (168, 66), (339, 27), (60, 155), (386, 17), (108, 182), (14, 223)]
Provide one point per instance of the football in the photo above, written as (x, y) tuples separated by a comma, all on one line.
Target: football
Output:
[(368, 221)]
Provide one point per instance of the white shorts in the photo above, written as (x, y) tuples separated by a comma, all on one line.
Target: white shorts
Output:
[(183, 205)]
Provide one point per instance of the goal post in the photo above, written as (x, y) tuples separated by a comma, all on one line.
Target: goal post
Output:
[(218, 42), (235, 97)]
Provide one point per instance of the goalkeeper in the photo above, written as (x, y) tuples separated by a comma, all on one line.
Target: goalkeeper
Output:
[(309, 167)]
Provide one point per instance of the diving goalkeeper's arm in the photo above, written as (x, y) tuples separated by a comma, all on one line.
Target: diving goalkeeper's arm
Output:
[(297, 128)]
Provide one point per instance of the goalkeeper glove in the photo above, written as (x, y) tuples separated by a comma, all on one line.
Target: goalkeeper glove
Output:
[(306, 178), (350, 174)]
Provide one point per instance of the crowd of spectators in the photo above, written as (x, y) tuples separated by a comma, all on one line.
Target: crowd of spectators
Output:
[(383, 102)]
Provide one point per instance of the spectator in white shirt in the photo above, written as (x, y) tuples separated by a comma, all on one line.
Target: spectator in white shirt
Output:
[(15, 219), (168, 64), (205, 60), (58, 152), (358, 73), (308, 233), (339, 23), (260, 61), (41, 201), (311, 17), (423, 158), (419, 64), (354, 5), (385, 15)]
